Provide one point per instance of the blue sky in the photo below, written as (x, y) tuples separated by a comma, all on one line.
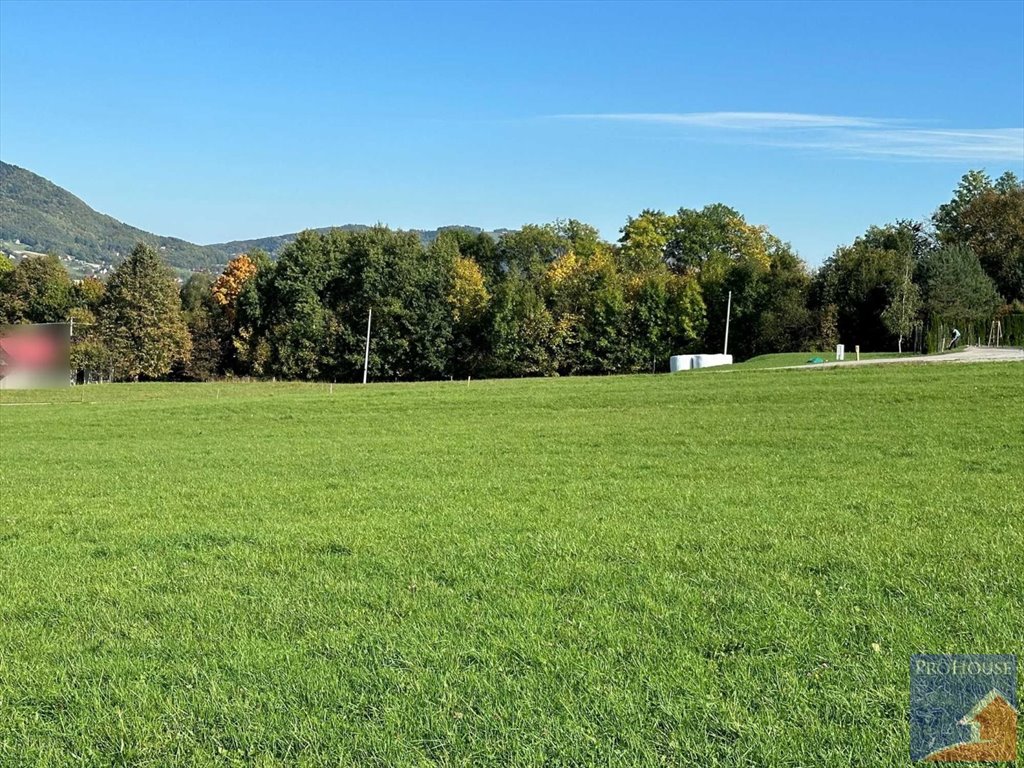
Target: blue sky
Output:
[(217, 121)]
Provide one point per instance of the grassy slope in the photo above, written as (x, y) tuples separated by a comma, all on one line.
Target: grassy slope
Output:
[(679, 569), (782, 359)]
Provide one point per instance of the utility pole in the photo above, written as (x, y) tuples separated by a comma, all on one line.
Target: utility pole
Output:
[(366, 357), (728, 312)]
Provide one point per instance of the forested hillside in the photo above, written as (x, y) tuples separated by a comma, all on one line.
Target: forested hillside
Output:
[(38, 216)]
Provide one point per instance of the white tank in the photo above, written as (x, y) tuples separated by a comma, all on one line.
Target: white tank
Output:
[(678, 363), (710, 361)]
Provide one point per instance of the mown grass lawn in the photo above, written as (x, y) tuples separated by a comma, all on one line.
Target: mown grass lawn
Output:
[(684, 570)]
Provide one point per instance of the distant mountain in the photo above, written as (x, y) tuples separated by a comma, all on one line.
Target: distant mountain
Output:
[(273, 245), (37, 216)]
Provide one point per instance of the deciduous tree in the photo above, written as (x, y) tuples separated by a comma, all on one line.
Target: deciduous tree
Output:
[(901, 316), (860, 281), (207, 327), (230, 283), (468, 296), (141, 319), (988, 218), (37, 290)]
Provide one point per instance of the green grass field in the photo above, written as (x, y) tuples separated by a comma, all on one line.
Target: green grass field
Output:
[(692, 570)]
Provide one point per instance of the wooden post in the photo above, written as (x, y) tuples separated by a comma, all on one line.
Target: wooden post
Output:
[(856, 349)]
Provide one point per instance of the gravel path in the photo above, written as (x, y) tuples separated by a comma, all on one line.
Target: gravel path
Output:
[(965, 355)]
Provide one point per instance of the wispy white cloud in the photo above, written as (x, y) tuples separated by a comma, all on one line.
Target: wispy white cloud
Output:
[(856, 136), (980, 144), (750, 121)]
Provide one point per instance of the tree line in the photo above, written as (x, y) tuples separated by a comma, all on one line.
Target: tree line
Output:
[(542, 300)]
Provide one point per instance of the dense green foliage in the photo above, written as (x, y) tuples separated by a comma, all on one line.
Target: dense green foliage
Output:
[(908, 279), (987, 217), (556, 299), (956, 286), (274, 245), (542, 301), (724, 253), (727, 568), (207, 329), (140, 319), (37, 290)]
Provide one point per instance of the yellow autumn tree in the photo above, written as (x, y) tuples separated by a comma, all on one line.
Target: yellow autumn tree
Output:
[(750, 242), (228, 286), (562, 268), (469, 295)]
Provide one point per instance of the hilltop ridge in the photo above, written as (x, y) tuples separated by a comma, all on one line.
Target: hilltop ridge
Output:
[(38, 216)]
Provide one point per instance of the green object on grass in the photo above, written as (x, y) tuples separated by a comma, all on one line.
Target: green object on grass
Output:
[(816, 360)]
